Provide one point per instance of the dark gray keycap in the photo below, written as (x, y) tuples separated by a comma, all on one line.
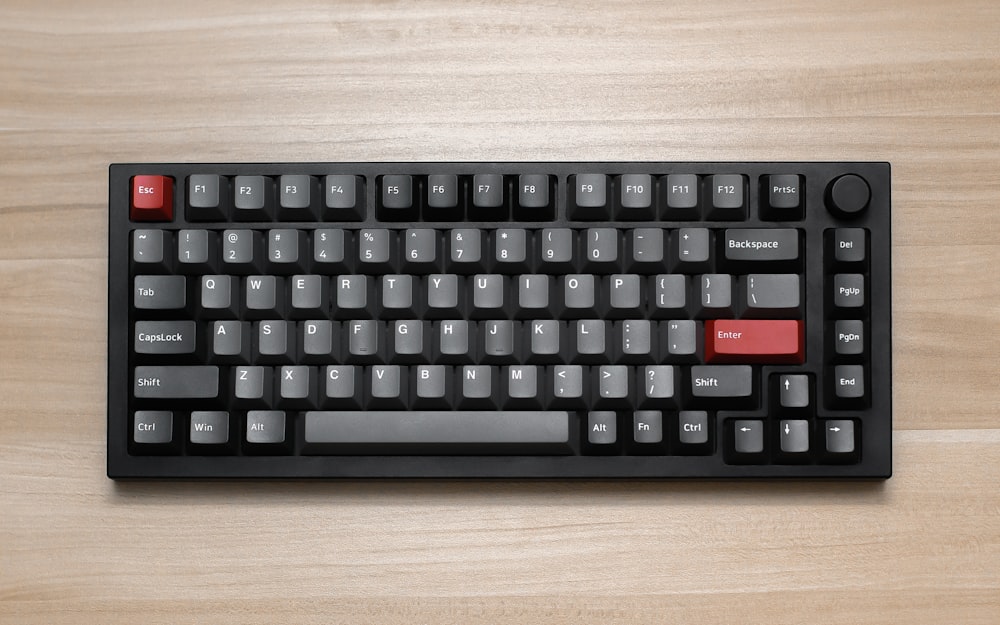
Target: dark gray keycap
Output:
[(445, 432), (636, 190), (783, 191), (477, 381), (682, 339), (849, 381), (341, 381), (262, 292), (692, 245), (307, 292), (848, 290), (840, 436), (397, 291), (328, 245), (727, 190), (228, 338), (442, 291), (716, 291), (591, 190), (203, 191), (602, 427), (352, 292), (533, 291), (635, 336), (625, 291), (265, 427), (793, 391), (295, 191), (295, 382), (217, 292), (567, 381), (612, 382), (317, 337), (511, 245), (522, 381), (374, 245), (386, 381), (578, 291), (397, 191), (850, 245), (432, 381), (421, 245), (670, 292), (363, 338), (692, 427), (248, 192), (545, 337), (602, 245), (340, 191), (488, 291), (762, 244), (681, 190), (273, 338), (647, 245), (161, 382), (250, 382), (849, 337), (647, 426), (164, 337), (498, 337), (237, 247), (192, 247), (152, 427), (283, 246), (454, 337), (466, 245), (722, 381), (533, 190), (772, 292), (149, 246), (748, 436), (442, 191), (487, 190), (591, 336), (209, 427), (557, 245), (409, 337), (794, 436), (658, 382)]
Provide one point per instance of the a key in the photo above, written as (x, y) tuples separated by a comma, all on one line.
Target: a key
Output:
[(159, 292), (231, 341), (170, 382)]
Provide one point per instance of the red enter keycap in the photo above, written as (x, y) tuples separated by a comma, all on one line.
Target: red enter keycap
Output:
[(152, 198), (777, 341)]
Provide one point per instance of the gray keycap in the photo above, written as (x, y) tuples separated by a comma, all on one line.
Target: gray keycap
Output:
[(340, 191), (352, 292), (636, 190), (590, 336), (602, 245), (793, 391), (477, 381), (273, 338), (442, 291), (557, 245), (794, 436), (545, 337), (295, 191), (442, 191), (228, 338), (283, 246), (341, 381), (635, 336), (237, 247), (682, 339), (602, 428), (498, 338), (487, 190), (591, 190), (840, 436), (658, 382), (192, 247), (567, 381), (727, 190), (317, 337), (307, 292), (647, 426), (533, 190), (209, 427), (692, 245), (432, 381), (149, 246), (749, 436), (511, 245), (849, 245), (409, 337), (295, 382), (612, 381), (203, 191), (444, 432), (783, 191), (328, 245), (681, 190), (578, 291), (261, 292), (363, 338), (164, 337), (250, 382), (454, 337), (397, 191), (466, 245), (374, 245), (533, 291), (397, 291), (849, 337), (625, 293), (670, 292), (386, 381), (848, 290), (769, 293), (849, 381), (762, 244), (522, 381), (716, 291), (152, 427), (217, 292), (692, 427), (647, 245), (421, 245), (722, 381), (248, 192), (160, 382), (265, 427), (488, 291)]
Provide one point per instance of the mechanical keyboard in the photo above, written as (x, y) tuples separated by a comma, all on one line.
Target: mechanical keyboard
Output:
[(499, 320)]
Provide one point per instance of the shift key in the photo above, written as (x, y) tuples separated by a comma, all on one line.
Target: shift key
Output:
[(160, 382)]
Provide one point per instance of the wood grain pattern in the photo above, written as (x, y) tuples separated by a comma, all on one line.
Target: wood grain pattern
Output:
[(914, 83)]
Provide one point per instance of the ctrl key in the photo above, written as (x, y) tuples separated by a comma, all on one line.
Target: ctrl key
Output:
[(152, 429)]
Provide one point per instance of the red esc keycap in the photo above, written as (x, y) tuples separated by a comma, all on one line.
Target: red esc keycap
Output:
[(152, 198), (774, 341)]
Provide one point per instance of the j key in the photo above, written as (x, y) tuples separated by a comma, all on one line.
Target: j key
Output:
[(771, 295), (159, 292), (219, 296), (150, 249), (249, 198), (196, 250), (242, 251), (342, 194), (421, 252), (717, 382), (162, 382), (498, 340)]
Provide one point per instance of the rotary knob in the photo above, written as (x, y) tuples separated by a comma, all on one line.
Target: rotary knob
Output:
[(848, 195)]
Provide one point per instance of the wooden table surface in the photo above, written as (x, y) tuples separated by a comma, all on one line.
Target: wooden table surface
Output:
[(916, 83)]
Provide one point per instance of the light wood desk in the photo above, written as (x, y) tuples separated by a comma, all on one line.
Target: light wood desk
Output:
[(86, 84)]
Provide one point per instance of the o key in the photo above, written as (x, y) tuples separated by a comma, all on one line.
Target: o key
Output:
[(152, 198), (774, 341)]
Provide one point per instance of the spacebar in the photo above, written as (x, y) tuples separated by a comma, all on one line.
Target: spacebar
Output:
[(453, 432)]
